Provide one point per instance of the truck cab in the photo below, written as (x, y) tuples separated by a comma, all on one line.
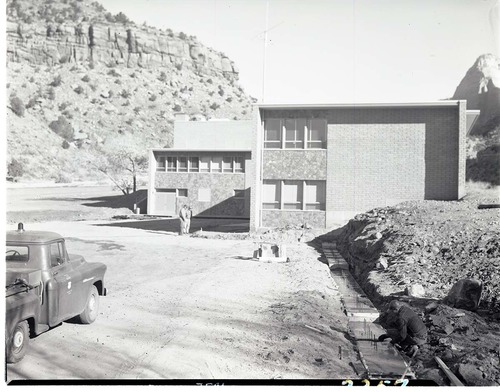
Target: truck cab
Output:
[(46, 286)]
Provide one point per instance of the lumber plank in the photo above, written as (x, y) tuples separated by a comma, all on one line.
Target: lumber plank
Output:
[(453, 379)]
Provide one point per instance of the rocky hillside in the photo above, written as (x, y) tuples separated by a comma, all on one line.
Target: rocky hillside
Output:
[(81, 81)]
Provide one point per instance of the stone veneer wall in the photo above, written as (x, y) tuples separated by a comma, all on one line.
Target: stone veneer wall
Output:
[(280, 218), (294, 164), (221, 185)]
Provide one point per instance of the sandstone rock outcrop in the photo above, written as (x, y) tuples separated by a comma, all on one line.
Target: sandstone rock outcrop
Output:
[(481, 88), (111, 44)]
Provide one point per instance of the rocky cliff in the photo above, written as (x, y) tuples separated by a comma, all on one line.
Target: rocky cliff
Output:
[(481, 88), (82, 81), (111, 44)]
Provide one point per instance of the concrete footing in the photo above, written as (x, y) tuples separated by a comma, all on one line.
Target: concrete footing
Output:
[(379, 359)]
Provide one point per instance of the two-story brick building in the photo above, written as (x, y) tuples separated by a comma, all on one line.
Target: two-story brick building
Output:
[(315, 164)]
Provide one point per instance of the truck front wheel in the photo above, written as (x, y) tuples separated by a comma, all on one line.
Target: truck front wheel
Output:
[(19, 342), (89, 314)]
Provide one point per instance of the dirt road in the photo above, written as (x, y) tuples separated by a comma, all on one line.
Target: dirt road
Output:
[(185, 307)]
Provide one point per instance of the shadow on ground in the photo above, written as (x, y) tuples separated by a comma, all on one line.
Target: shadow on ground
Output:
[(172, 225), (113, 201)]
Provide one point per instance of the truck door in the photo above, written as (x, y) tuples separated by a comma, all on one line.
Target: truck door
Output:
[(64, 274)]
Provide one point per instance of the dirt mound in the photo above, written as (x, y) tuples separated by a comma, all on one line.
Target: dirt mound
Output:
[(429, 245)]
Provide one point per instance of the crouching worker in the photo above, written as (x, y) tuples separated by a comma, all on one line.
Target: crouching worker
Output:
[(405, 328)]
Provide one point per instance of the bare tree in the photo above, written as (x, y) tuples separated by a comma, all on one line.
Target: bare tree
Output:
[(121, 160)]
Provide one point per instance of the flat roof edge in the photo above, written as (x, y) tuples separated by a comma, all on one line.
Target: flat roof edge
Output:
[(356, 105), (202, 149)]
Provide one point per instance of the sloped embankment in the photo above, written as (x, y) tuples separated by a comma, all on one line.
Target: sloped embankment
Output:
[(424, 248)]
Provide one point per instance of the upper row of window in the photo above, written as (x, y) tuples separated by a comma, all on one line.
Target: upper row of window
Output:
[(295, 133), (202, 164)]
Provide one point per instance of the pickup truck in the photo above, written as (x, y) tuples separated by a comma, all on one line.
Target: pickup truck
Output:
[(45, 286)]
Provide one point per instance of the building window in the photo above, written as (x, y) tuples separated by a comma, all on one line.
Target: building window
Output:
[(298, 133), (239, 165), (227, 164), (315, 195), (239, 194), (204, 194), (171, 164), (294, 132), (160, 164), (271, 197), (182, 193), (205, 164), (182, 164), (292, 195), (317, 133), (216, 166), (194, 164), (272, 133)]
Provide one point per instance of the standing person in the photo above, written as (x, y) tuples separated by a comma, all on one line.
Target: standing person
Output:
[(182, 219), (189, 214), (405, 327)]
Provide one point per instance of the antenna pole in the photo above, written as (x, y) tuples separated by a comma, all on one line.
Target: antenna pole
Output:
[(265, 50)]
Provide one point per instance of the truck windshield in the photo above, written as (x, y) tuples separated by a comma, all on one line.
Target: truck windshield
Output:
[(19, 254)]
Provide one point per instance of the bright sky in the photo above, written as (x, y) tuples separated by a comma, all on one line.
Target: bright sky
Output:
[(335, 51)]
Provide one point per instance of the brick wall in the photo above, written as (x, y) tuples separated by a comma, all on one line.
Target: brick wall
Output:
[(372, 165), (376, 156)]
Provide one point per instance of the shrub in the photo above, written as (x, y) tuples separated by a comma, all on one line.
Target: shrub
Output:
[(63, 178), (15, 168), (162, 77), (112, 72), (64, 59), (67, 114), (178, 66), (86, 79), (65, 144), (125, 93), (137, 110), (17, 105), (182, 36), (109, 17), (177, 108), (153, 97), (51, 93), (120, 17), (214, 106), (63, 128), (31, 103), (64, 105), (78, 90), (56, 81)]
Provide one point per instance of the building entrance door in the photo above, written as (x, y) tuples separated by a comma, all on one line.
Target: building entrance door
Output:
[(165, 202)]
